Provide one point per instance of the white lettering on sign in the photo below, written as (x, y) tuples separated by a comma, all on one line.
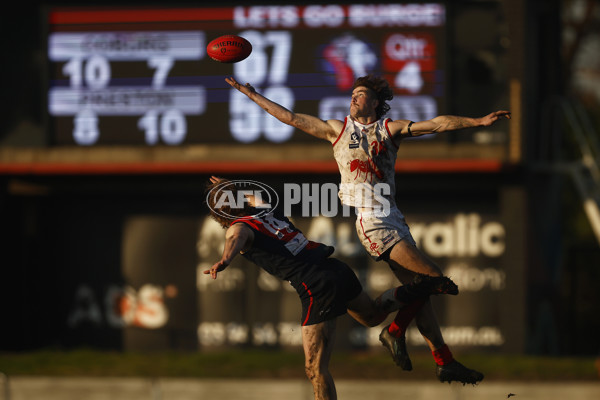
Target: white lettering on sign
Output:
[(334, 16), (472, 336), (259, 334), (379, 15), (124, 306), (416, 108), (401, 47), (471, 279), (127, 46), (290, 334), (488, 336), (467, 277), (318, 16), (268, 66), (266, 17), (342, 236), (465, 235), (211, 334), (188, 100)]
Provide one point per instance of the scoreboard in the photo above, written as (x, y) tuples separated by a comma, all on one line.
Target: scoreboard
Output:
[(133, 76)]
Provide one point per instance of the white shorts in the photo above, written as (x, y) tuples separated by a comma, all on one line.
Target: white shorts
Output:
[(378, 233)]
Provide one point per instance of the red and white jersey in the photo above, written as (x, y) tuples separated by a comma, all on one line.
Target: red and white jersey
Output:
[(366, 156)]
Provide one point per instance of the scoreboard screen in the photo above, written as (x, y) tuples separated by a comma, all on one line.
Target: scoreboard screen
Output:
[(132, 76)]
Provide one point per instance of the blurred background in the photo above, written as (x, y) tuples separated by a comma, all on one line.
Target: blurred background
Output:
[(114, 117)]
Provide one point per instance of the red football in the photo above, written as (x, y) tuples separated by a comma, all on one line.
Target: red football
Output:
[(229, 49)]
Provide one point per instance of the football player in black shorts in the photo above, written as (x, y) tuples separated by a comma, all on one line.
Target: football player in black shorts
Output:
[(327, 287)]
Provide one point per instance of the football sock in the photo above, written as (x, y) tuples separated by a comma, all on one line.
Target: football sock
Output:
[(404, 316), (443, 355)]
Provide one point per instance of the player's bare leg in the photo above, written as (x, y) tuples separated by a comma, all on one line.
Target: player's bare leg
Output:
[(371, 312), (317, 341), (405, 256), (405, 261), (364, 310)]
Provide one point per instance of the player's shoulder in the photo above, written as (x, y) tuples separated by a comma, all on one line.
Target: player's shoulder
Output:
[(396, 126), (240, 224), (336, 123), (244, 225), (336, 128)]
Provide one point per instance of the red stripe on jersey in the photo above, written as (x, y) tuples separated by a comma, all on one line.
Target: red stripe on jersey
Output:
[(246, 221), (343, 129), (387, 121), (78, 17), (309, 305), (312, 245)]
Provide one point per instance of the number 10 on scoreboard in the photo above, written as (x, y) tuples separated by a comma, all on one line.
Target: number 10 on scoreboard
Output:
[(161, 109)]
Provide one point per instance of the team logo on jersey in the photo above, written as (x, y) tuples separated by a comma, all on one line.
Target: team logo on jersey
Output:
[(365, 169), (354, 141)]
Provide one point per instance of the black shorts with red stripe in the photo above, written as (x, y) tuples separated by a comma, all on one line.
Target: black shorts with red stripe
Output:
[(325, 295)]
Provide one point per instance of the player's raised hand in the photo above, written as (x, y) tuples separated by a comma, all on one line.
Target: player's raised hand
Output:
[(216, 179), (247, 89), (493, 117), (216, 268)]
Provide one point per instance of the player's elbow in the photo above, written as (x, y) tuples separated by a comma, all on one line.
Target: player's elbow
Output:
[(293, 120)]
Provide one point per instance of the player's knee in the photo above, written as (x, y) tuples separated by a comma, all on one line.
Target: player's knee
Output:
[(311, 371), (314, 371)]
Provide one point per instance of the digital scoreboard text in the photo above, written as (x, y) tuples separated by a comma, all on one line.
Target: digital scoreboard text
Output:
[(141, 76)]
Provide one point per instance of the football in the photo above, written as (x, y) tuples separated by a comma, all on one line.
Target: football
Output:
[(229, 49)]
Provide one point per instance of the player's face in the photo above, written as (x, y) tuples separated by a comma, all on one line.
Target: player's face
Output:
[(363, 103)]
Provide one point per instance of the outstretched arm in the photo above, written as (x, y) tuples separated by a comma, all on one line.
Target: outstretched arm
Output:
[(443, 123), (307, 123), (237, 238)]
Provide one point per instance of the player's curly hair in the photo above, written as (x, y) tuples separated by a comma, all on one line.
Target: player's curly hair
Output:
[(224, 214), (381, 88)]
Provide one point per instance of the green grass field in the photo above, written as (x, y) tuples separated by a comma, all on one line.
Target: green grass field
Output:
[(283, 364)]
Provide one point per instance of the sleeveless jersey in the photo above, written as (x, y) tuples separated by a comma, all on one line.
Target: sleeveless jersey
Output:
[(366, 155), (282, 250)]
